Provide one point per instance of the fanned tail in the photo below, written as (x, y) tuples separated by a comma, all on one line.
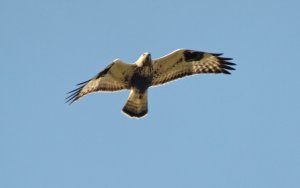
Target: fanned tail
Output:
[(137, 104)]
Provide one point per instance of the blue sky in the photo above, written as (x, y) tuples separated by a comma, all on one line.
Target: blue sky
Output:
[(208, 131)]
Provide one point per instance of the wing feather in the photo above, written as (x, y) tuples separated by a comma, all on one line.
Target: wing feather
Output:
[(183, 62), (114, 77)]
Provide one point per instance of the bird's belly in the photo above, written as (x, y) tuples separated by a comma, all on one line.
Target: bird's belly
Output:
[(141, 82)]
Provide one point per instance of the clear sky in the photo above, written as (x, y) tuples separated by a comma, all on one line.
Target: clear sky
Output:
[(210, 131)]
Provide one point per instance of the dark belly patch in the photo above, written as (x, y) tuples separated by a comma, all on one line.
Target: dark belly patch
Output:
[(140, 82)]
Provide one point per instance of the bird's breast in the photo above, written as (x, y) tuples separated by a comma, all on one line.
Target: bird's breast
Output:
[(142, 78)]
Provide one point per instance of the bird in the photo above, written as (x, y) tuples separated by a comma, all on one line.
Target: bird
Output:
[(147, 72)]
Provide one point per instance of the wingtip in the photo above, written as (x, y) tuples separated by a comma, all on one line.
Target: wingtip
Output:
[(70, 100), (75, 90), (226, 72), (74, 95), (81, 83), (225, 63), (217, 54), (227, 67), (225, 58), (228, 63)]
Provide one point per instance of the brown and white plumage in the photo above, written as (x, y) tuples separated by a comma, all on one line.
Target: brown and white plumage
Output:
[(183, 62), (137, 104), (146, 72), (114, 77)]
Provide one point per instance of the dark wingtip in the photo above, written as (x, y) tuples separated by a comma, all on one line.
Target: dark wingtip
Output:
[(225, 71), (69, 102), (83, 83), (74, 90), (217, 54), (72, 98), (226, 65), (225, 58), (74, 94)]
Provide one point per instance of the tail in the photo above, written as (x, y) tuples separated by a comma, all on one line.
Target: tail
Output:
[(137, 104)]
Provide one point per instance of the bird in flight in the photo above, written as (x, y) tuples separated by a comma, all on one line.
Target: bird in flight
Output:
[(145, 72)]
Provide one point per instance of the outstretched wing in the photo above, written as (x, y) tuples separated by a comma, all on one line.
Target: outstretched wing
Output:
[(183, 62), (115, 76)]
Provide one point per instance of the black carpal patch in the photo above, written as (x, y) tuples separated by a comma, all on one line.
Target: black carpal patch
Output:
[(190, 55), (102, 73)]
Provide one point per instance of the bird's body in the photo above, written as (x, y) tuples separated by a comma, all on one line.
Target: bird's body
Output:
[(142, 76), (145, 72), (141, 80)]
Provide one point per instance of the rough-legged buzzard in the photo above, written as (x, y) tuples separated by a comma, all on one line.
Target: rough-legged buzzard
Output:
[(145, 72)]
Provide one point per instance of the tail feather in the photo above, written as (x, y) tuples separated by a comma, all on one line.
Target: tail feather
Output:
[(137, 104)]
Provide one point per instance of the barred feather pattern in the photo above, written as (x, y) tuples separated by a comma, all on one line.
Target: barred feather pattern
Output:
[(137, 104), (167, 70)]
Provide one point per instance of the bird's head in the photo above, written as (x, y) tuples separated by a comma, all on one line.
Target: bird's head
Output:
[(144, 59)]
